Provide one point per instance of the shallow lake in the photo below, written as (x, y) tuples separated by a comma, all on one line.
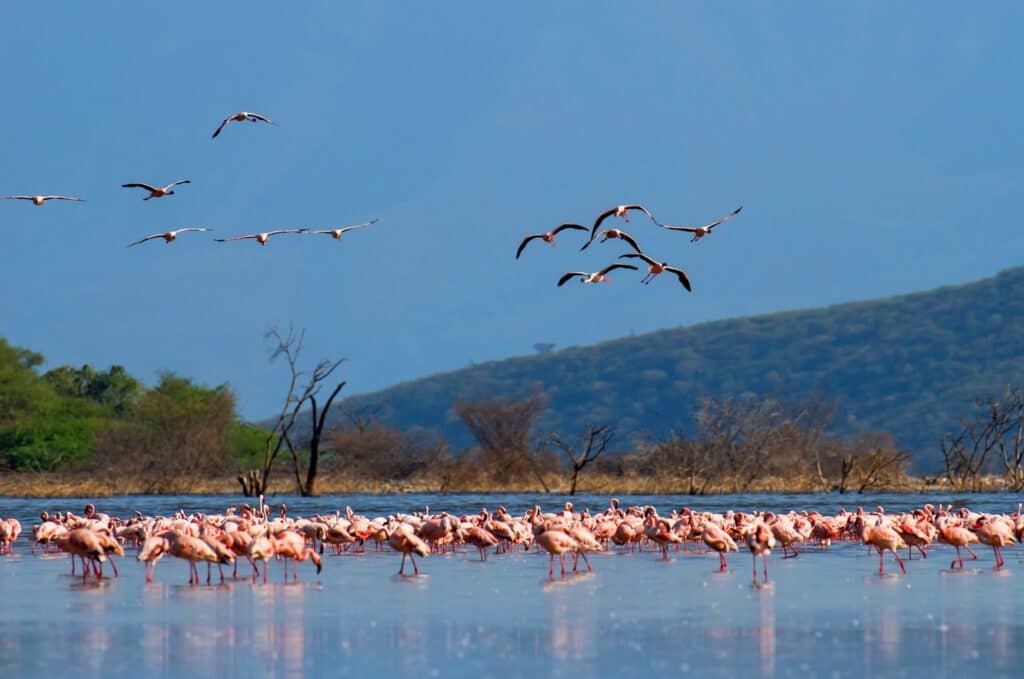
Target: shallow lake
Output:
[(825, 613)]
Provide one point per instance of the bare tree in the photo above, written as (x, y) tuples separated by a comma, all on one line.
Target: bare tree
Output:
[(966, 453), (503, 428), (594, 443), (255, 481)]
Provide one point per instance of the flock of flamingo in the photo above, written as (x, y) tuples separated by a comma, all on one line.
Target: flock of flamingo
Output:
[(654, 266), (254, 535), (168, 190)]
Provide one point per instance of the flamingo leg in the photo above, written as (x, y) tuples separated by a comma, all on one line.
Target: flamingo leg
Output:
[(401, 570), (561, 558), (415, 568), (900, 562), (114, 566), (764, 560), (722, 564), (587, 561), (881, 565), (974, 557), (755, 566), (266, 567)]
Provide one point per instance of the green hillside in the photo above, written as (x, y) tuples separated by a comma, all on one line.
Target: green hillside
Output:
[(904, 364)]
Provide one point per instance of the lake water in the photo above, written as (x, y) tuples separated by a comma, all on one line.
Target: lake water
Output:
[(825, 613)]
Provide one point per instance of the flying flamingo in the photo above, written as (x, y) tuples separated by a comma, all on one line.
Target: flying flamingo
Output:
[(760, 541), (337, 233), (555, 542), (615, 233), (39, 200), (701, 231), (261, 238), (621, 211), (595, 277), (549, 237), (404, 540), (656, 268), (169, 236), (157, 191), (240, 117)]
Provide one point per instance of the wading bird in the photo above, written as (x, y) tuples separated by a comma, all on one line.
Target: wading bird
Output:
[(156, 191), (621, 211), (549, 237), (39, 200), (260, 238), (169, 236), (240, 117), (337, 233), (657, 268), (701, 231), (595, 277)]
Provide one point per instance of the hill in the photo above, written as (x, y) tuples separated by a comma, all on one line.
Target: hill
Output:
[(905, 364)]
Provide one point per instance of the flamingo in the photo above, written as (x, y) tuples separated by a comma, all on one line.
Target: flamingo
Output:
[(480, 538), (152, 550), (549, 237), (883, 538), (621, 211), (656, 268), (595, 277), (718, 540), (957, 537), (337, 233), (760, 542), (39, 200), (262, 237), (556, 543), (291, 545), (701, 231), (586, 541), (615, 233), (240, 117), (404, 540), (157, 191), (169, 236), (996, 535)]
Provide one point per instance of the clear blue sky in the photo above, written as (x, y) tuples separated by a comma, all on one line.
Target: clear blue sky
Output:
[(876, 150)]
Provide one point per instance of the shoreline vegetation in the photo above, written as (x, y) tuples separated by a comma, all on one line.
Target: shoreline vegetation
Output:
[(60, 485), (81, 431)]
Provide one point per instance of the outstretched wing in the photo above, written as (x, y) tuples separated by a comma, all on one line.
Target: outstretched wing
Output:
[(225, 240), (617, 265), (190, 228), (641, 208), (681, 275), (359, 226), (639, 255), (527, 240), (597, 223), (569, 276), (180, 181), (18, 197), (274, 233), (257, 116), (690, 229), (220, 127), (78, 200), (629, 239), (139, 186), (143, 240), (568, 225), (724, 219)]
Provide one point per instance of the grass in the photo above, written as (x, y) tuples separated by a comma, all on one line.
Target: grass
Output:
[(44, 485)]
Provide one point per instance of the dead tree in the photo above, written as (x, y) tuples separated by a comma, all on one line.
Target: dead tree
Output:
[(594, 443), (966, 453), (319, 419), (255, 481)]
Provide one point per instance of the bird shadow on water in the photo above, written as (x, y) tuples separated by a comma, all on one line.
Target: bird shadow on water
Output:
[(90, 584), (549, 584), (422, 579)]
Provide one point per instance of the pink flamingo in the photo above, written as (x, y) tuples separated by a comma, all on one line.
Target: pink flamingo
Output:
[(549, 237), (404, 540), (760, 541), (718, 540), (883, 538), (996, 535), (555, 542)]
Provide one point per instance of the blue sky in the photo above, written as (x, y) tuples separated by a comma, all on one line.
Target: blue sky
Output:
[(876, 150)]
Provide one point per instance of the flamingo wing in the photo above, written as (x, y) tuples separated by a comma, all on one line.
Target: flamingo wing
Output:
[(526, 240), (597, 224), (222, 125), (79, 200), (143, 240), (18, 197), (639, 255), (641, 208), (139, 185), (629, 239), (175, 183), (256, 116), (568, 225), (681, 275), (359, 226), (724, 219), (570, 275), (225, 240), (191, 228), (274, 233), (689, 229), (617, 265)]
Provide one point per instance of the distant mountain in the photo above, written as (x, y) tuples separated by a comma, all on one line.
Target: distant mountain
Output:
[(905, 364)]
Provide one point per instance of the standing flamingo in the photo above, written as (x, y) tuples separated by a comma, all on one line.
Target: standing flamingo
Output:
[(403, 539), (760, 541), (718, 540), (883, 538), (555, 542)]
